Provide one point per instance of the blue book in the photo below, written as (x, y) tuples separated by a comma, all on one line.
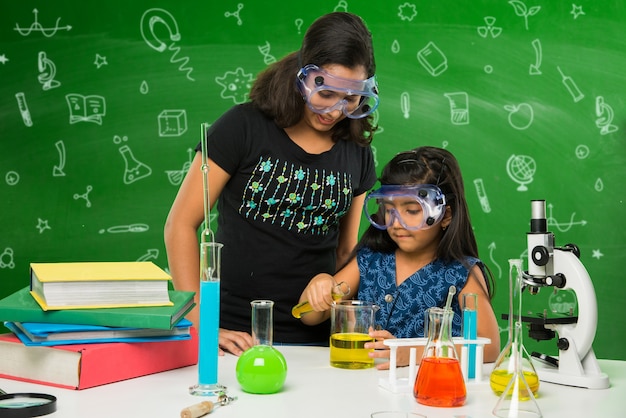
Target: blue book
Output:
[(48, 334)]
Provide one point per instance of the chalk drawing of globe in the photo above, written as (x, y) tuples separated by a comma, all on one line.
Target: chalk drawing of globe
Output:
[(521, 169)]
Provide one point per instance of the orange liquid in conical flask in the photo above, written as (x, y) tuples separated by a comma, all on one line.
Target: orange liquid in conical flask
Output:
[(440, 382)]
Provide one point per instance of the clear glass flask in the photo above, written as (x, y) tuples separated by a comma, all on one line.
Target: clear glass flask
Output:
[(505, 364), (262, 368), (514, 378), (439, 379)]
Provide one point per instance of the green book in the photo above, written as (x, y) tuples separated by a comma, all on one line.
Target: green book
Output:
[(22, 307)]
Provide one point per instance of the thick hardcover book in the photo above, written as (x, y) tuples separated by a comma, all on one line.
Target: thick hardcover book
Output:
[(21, 307), (89, 365), (83, 285), (41, 333)]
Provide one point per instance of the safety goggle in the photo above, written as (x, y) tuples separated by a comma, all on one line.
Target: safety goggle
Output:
[(325, 92), (414, 207)]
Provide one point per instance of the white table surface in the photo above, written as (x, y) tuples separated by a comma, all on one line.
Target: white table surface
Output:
[(315, 389)]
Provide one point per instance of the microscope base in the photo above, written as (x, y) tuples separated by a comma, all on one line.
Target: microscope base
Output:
[(552, 375)]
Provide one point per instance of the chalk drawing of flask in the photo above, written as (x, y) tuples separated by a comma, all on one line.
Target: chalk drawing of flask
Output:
[(134, 169)]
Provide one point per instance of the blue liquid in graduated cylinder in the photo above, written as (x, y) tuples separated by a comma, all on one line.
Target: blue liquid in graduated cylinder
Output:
[(469, 333), (209, 323)]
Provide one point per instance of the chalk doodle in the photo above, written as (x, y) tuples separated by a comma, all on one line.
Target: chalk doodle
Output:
[(604, 114), (236, 14), (405, 104), (459, 107), (90, 108), (149, 20), (23, 107), (407, 11), (47, 72), (6, 259), (42, 225), (489, 29), (571, 86), (37, 27), (576, 11), (562, 226), (265, 51), (520, 115), (523, 11), (299, 22), (100, 61), (521, 169), (57, 170), (535, 68), (84, 196), (236, 85)]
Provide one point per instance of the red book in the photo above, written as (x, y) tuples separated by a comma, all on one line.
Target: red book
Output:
[(82, 366)]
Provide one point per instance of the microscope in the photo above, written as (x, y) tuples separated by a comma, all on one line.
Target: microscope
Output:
[(560, 268)]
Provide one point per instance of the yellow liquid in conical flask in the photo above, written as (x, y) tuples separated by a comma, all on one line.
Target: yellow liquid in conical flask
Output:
[(500, 379)]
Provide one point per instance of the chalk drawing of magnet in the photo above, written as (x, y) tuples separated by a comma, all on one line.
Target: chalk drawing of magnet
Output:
[(432, 59)]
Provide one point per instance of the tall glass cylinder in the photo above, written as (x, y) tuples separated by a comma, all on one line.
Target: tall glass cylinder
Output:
[(262, 368), (210, 264)]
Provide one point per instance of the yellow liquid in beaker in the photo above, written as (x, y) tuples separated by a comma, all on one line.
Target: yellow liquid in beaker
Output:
[(347, 351), (500, 379)]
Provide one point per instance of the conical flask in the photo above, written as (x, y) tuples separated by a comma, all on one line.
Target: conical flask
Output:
[(514, 377), (262, 368), (439, 379), (517, 399), (505, 365)]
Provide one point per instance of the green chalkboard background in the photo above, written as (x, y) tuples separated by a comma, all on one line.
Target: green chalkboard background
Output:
[(101, 104)]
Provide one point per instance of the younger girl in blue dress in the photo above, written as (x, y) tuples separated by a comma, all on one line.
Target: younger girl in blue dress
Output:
[(419, 243)]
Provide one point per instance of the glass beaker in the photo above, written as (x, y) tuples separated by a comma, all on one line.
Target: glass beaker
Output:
[(262, 368), (350, 324), (439, 379), (505, 364), (208, 345)]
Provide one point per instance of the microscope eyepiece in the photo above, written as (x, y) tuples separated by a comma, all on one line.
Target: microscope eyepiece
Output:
[(538, 223)]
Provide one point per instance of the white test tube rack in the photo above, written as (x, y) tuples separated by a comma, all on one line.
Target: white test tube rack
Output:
[(397, 384)]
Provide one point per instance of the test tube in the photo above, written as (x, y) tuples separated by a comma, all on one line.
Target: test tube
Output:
[(470, 322)]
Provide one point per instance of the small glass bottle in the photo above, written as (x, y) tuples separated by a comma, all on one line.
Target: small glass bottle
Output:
[(439, 379), (262, 368)]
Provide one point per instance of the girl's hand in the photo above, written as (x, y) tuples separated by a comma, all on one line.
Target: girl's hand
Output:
[(319, 292), (380, 350), (383, 351)]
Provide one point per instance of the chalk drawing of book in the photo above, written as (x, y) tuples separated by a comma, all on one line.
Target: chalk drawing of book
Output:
[(432, 59), (86, 108)]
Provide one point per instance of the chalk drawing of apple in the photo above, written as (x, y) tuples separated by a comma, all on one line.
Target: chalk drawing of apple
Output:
[(520, 116)]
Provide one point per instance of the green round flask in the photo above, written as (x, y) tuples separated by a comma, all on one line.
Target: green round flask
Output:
[(262, 368)]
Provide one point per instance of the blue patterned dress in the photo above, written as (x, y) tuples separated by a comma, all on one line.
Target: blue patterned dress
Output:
[(402, 307)]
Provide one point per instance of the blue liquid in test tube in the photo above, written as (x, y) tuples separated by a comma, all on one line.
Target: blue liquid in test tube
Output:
[(209, 321), (209, 324), (470, 322)]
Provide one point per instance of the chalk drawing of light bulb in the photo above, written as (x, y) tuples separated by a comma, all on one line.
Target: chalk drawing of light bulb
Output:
[(521, 169)]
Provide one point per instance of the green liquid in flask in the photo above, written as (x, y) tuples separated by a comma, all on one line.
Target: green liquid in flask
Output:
[(261, 369)]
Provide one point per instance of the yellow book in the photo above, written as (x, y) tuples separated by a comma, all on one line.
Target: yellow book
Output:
[(84, 285)]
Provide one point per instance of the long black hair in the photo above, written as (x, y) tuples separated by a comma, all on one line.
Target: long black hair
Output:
[(335, 38)]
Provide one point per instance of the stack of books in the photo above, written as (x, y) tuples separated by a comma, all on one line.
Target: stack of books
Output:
[(80, 325)]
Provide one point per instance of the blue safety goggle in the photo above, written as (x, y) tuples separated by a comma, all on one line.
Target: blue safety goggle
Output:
[(324, 92)]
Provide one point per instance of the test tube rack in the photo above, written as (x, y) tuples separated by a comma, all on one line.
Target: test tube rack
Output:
[(396, 384)]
